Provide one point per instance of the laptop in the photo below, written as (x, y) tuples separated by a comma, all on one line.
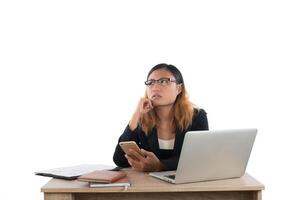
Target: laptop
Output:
[(211, 155)]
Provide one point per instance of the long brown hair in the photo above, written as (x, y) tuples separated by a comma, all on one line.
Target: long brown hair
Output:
[(183, 108)]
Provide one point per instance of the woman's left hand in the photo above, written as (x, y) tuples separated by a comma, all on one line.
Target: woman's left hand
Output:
[(147, 163)]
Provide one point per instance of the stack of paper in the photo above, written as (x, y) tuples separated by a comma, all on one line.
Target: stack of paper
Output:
[(71, 173)]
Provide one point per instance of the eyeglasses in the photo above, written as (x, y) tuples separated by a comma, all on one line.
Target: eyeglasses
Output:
[(161, 81)]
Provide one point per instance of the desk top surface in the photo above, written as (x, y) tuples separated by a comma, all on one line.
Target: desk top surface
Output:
[(142, 182)]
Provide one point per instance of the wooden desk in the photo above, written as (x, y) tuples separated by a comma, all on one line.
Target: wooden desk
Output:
[(145, 187)]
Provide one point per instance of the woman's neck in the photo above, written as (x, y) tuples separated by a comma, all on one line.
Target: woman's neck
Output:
[(165, 113), (165, 123)]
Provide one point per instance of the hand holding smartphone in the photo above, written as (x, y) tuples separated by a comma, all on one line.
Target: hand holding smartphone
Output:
[(127, 145)]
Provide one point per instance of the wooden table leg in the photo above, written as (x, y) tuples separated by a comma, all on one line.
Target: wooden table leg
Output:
[(258, 195), (58, 196)]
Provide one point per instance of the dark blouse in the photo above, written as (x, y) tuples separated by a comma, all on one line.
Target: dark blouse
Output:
[(169, 158)]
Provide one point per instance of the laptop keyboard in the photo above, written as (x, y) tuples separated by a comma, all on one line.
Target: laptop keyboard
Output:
[(172, 176)]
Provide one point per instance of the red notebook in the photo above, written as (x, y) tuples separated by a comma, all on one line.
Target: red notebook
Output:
[(102, 176)]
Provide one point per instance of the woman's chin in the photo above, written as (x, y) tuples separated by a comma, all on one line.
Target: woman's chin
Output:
[(156, 104), (160, 104)]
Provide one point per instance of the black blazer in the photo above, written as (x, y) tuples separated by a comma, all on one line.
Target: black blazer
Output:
[(169, 158)]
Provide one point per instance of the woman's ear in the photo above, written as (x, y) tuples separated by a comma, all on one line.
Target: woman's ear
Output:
[(179, 88)]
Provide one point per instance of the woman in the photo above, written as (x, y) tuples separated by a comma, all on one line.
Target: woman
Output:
[(160, 122)]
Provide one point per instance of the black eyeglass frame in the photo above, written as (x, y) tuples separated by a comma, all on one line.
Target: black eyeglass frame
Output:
[(151, 82)]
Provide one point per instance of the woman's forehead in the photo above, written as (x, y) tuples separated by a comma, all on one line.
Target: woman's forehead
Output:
[(160, 73)]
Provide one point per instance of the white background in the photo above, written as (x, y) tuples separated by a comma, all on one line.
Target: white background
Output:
[(71, 74)]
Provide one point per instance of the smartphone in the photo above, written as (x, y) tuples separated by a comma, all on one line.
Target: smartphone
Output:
[(129, 145)]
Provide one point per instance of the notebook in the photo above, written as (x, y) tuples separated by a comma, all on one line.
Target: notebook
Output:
[(211, 155), (102, 176)]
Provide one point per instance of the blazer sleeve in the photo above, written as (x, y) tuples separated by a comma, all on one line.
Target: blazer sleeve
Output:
[(119, 155)]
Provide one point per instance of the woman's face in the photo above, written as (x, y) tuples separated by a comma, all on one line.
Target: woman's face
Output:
[(163, 92)]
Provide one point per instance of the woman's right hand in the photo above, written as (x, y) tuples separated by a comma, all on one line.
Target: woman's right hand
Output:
[(143, 107)]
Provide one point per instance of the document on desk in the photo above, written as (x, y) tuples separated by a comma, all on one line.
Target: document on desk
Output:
[(71, 173)]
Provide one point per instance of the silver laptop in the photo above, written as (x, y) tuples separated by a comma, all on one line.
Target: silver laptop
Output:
[(211, 155)]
